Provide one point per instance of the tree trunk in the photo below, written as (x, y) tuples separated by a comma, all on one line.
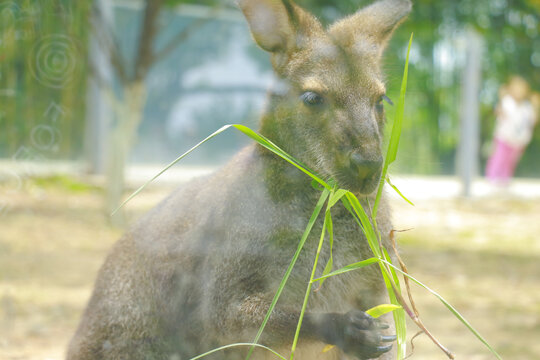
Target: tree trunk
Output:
[(129, 114)]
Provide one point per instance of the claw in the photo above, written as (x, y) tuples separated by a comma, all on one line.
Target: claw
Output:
[(383, 349), (383, 326), (388, 338)]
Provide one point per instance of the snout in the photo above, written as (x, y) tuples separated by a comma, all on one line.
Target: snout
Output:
[(365, 168), (361, 173)]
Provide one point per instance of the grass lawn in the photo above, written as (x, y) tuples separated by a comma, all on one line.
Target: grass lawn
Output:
[(481, 255)]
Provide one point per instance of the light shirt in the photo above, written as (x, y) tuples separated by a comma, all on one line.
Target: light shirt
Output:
[(515, 123)]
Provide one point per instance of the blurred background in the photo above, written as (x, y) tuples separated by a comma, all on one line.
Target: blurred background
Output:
[(97, 96)]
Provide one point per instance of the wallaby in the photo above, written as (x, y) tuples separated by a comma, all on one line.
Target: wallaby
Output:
[(199, 271)]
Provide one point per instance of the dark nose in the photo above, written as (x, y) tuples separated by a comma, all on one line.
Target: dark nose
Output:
[(365, 167)]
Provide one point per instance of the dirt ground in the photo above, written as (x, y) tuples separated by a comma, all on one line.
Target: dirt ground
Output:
[(481, 255)]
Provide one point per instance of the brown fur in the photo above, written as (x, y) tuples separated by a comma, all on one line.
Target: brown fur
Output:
[(199, 270)]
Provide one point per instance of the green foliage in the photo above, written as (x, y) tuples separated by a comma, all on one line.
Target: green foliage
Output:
[(511, 34), (43, 73), (66, 183)]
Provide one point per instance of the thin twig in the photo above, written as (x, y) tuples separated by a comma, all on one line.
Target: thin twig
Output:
[(419, 323), (404, 268), (412, 344), (414, 316)]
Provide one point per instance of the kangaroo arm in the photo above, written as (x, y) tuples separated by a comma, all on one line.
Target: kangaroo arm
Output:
[(282, 324)]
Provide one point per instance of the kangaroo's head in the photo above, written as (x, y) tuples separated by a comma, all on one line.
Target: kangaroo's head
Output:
[(330, 114)]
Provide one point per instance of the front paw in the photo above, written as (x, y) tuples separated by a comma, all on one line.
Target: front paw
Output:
[(360, 335)]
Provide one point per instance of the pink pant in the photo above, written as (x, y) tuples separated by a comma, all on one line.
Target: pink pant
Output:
[(502, 163)]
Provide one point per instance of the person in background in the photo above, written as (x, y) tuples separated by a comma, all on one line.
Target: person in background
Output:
[(517, 114)]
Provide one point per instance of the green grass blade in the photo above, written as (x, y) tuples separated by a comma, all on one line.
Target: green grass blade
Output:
[(238, 345), (397, 191), (400, 317), (393, 144), (261, 140), (372, 236), (367, 227), (391, 153), (217, 132), (314, 216), (395, 277), (336, 196), (380, 310), (330, 229), (400, 321), (396, 128), (351, 267), (315, 185), (278, 151), (449, 306), (308, 290)]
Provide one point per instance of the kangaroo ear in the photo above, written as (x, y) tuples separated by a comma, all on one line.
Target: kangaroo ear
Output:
[(376, 22), (278, 26)]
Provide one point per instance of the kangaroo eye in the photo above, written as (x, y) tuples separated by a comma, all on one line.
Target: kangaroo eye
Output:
[(383, 98), (311, 98), (387, 99)]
